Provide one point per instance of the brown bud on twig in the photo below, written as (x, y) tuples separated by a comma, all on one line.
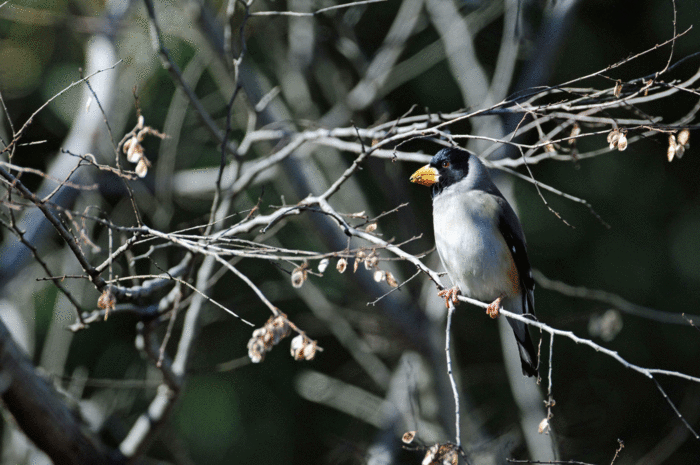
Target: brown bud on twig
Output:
[(618, 89), (543, 428), (341, 265), (683, 137), (371, 227)]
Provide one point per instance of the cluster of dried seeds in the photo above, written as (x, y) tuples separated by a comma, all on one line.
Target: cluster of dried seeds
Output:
[(265, 338), (133, 149), (617, 138), (678, 145), (276, 329), (371, 262)]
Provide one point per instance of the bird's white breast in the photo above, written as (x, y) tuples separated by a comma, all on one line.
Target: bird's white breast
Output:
[(470, 245)]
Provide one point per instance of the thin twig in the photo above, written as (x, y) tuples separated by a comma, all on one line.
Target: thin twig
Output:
[(450, 374), (314, 13)]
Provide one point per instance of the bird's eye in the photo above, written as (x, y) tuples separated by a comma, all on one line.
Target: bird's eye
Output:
[(445, 164)]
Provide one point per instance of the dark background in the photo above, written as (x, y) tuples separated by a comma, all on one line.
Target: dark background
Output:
[(255, 413)]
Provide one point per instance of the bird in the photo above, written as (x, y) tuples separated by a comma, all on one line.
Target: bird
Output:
[(480, 241)]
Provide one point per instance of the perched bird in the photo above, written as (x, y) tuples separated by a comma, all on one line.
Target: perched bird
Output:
[(480, 241)]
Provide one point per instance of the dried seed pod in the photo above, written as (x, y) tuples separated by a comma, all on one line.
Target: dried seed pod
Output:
[(256, 351), (575, 131), (358, 258), (379, 276), (268, 338), (322, 265), (606, 326), (265, 338), (309, 351), (390, 280), (544, 427), (341, 265), (441, 454), (683, 137), (371, 261), (408, 437), (303, 348), (257, 347), (142, 168), (106, 301), (134, 152), (680, 150), (671, 152), (611, 134), (299, 276), (297, 346), (672, 147), (618, 89), (622, 142), (278, 327), (371, 227)]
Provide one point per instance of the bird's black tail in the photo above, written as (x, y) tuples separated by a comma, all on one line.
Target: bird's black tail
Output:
[(528, 354)]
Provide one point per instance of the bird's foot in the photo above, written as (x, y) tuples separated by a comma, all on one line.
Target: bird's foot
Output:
[(493, 310), (449, 294)]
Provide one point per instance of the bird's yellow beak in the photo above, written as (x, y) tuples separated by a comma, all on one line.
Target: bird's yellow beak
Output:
[(426, 176)]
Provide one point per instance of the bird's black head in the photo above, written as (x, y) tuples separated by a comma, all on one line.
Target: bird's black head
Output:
[(452, 165)]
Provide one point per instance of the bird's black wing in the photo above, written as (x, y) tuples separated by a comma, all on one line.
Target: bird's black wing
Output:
[(509, 226)]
